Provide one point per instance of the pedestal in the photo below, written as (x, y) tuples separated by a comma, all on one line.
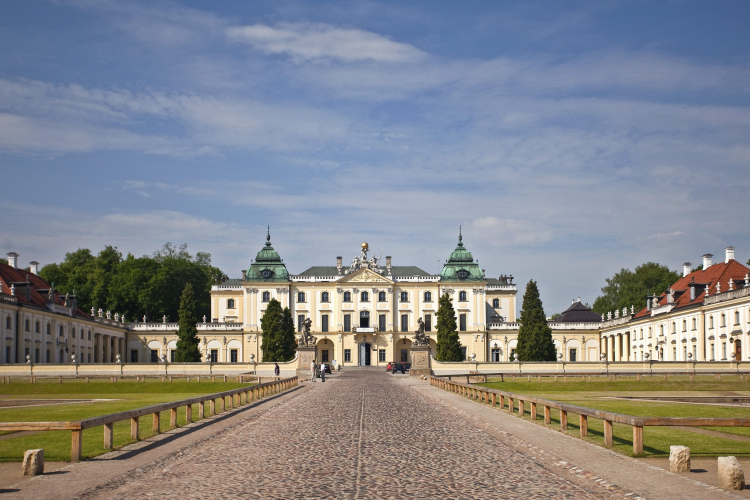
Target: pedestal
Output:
[(420, 361), (305, 356)]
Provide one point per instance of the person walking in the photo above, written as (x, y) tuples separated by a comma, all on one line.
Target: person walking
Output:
[(312, 371), (322, 372), (276, 370)]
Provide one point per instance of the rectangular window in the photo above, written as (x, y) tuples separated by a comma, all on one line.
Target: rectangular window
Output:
[(154, 356), (134, 355), (36, 356), (495, 355), (404, 356), (695, 353), (723, 350), (462, 322), (172, 355), (49, 357), (684, 353), (573, 355), (214, 355), (26, 355), (7, 354), (404, 322), (674, 354), (347, 355), (324, 355), (428, 322), (463, 352), (233, 355), (300, 320), (324, 323), (381, 323), (347, 322), (713, 354), (381, 355)]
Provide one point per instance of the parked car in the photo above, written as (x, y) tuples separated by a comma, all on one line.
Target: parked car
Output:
[(326, 367), (398, 367), (389, 366), (407, 366)]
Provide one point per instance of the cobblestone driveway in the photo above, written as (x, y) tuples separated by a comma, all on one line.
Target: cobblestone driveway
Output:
[(362, 434)]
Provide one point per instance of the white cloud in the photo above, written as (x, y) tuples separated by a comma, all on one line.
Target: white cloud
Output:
[(317, 41)]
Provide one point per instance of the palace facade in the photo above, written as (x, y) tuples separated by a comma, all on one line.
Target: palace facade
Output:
[(365, 312)]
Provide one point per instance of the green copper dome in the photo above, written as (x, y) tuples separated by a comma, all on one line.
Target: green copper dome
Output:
[(461, 265), (268, 265)]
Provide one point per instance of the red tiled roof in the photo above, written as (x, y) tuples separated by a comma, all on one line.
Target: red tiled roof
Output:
[(715, 274), (9, 275)]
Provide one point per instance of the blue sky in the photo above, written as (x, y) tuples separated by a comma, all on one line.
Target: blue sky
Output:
[(569, 139)]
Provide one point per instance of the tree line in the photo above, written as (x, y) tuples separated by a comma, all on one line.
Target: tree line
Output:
[(149, 286)]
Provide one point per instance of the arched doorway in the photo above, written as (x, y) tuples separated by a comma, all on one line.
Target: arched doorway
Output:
[(325, 351), (403, 348)]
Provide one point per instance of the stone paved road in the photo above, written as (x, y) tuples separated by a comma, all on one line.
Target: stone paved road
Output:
[(362, 434)]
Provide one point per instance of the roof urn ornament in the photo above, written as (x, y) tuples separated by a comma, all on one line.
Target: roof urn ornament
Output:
[(731, 284), (101, 312), (109, 315), (144, 318), (164, 319), (718, 287), (609, 315), (204, 319), (93, 311)]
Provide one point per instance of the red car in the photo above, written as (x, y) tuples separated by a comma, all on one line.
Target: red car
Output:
[(389, 366)]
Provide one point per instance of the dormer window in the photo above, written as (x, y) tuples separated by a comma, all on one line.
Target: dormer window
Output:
[(266, 274), (230, 303), (324, 297), (462, 274), (462, 296), (266, 296)]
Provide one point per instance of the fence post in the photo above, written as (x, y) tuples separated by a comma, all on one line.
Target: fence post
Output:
[(547, 415), (108, 435), (211, 407), (202, 409), (156, 423), (76, 445), (134, 428), (520, 408), (494, 399), (583, 421), (188, 414), (173, 417), (502, 402), (533, 411), (221, 404), (563, 420), (637, 440), (510, 405), (608, 433)]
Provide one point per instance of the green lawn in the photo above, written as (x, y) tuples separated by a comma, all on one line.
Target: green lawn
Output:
[(596, 394), (127, 395)]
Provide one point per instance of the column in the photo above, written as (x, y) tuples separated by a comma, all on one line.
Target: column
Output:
[(612, 347), (99, 349), (626, 339)]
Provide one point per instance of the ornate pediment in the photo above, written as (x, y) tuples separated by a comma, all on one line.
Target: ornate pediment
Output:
[(364, 276)]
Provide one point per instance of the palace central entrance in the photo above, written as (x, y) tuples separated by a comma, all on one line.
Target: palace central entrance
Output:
[(364, 354)]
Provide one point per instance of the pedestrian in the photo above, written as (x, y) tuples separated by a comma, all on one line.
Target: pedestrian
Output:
[(322, 372), (312, 371), (276, 370)]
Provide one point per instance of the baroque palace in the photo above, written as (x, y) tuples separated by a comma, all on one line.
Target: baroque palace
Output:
[(365, 312)]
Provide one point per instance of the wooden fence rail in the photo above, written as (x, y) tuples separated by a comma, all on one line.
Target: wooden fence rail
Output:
[(496, 397), (234, 397)]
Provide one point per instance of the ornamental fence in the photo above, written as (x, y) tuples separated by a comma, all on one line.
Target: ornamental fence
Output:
[(231, 398), (497, 399)]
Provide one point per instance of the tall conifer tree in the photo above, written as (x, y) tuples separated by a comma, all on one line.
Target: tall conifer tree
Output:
[(271, 324), (448, 343), (287, 340), (187, 342), (534, 336)]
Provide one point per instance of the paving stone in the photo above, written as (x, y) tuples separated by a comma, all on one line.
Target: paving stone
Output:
[(363, 435)]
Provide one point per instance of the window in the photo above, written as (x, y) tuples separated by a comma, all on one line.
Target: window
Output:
[(674, 327), (214, 355), (300, 296), (736, 317), (324, 323), (695, 353), (37, 328), (89, 356), (723, 319), (62, 332), (62, 356), (428, 296), (26, 326), (154, 356), (573, 355), (364, 319), (81, 333), (364, 297), (49, 357), (49, 331), (134, 355), (7, 322), (462, 296), (381, 296), (381, 323), (661, 329), (404, 297), (711, 322), (89, 334), (641, 334), (404, 355), (233, 356), (404, 322), (462, 322), (230, 303), (428, 322), (300, 321), (713, 355), (36, 355), (649, 332), (684, 353), (695, 324), (347, 355), (324, 355), (7, 354), (347, 322), (496, 303), (381, 355), (347, 296), (674, 354), (72, 333), (266, 296), (723, 350), (463, 352), (172, 355), (324, 297), (495, 355)]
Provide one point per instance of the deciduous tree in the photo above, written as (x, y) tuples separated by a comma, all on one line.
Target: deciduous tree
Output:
[(630, 288)]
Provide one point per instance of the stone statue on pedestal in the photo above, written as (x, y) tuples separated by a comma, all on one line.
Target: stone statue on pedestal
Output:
[(307, 340), (419, 336)]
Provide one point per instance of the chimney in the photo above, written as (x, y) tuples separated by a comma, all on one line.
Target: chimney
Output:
[(707, 261), (687, 268), (34, 267), (388, 263), (578, 299), (692, 290), (13, 260), (729, 254), (244, 274), (573, 301), (338, 263), (648, 303)]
